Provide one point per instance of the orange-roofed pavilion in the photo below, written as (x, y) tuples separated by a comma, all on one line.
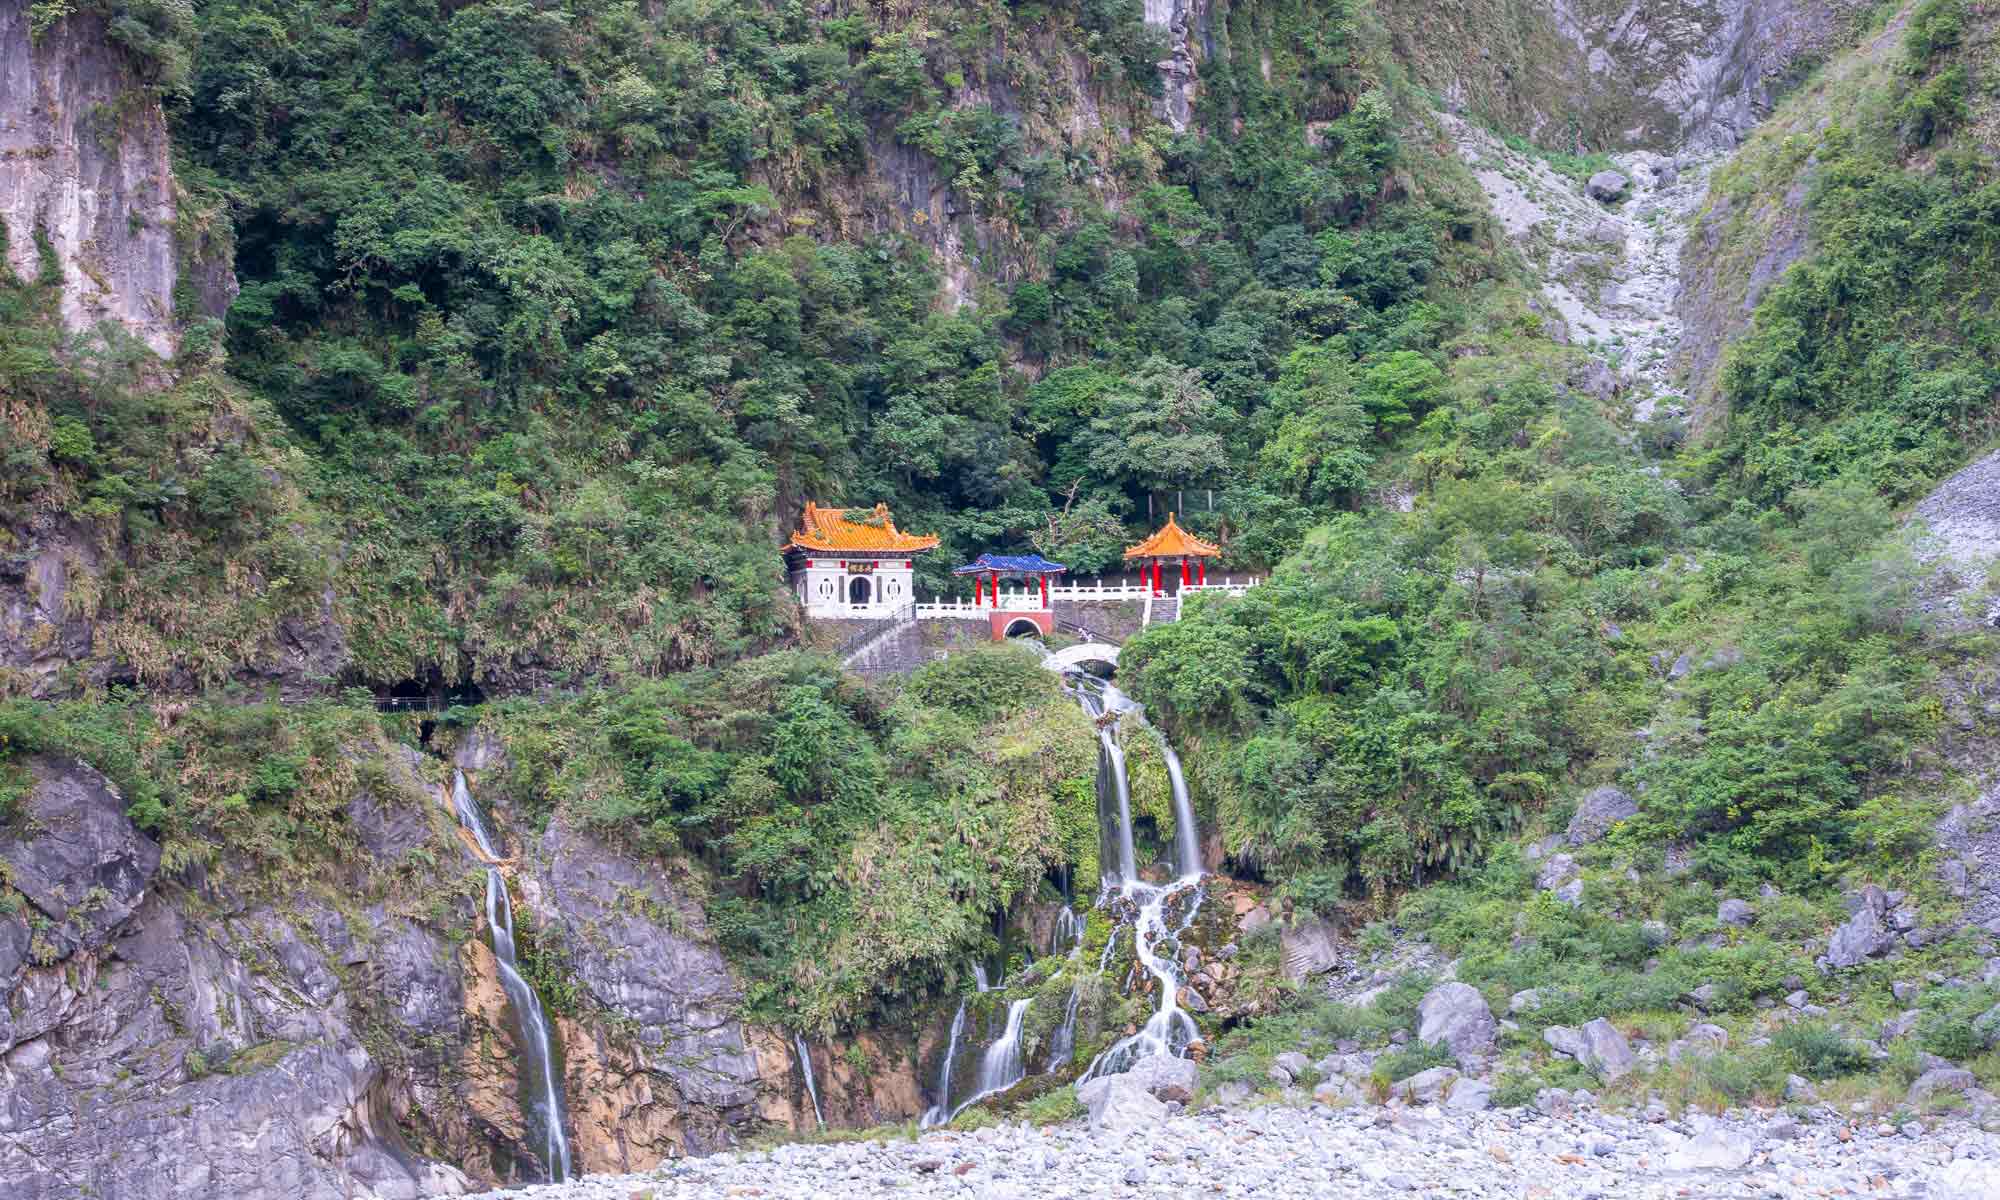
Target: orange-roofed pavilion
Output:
[(1172, 543)]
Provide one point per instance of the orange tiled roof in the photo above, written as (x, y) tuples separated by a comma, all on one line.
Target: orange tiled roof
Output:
[(832, 529), (1171, 541)]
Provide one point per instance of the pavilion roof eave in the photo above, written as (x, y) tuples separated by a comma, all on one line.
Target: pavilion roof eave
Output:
[(1171, 541)]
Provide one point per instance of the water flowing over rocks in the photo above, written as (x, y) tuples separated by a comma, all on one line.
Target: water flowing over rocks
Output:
[(1292, 1151)]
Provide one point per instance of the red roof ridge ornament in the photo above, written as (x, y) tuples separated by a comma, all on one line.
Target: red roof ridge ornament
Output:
[(1171, 541), (833, 530)]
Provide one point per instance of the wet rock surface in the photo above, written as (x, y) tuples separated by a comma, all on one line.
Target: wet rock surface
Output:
[(1303, 1150)]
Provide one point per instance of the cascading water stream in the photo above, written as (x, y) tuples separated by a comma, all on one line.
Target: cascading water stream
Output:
[(1001, 1067), (1062, 1043), (1170, 1030), (806, 1068), (942, 1111), (537, 1049)]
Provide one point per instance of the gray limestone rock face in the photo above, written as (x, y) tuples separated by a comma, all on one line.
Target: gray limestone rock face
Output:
[(75, 855), (1739, 913), (104, 204), (1426, 1087), (1456, 1015), (157, 1054), (1599, 810), (642, 953)]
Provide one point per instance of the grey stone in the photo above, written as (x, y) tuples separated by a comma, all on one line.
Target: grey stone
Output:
[(1526, 1000), (1861, 938), (1905, 990), (1738, 913), (75, 855), (1800, 1091), (1712, 1150), (1469, 1095), (1288, 1067), (1456, 1015), (1939, 1079), (1308, 946), (1167, 1078), (1557, 870), (1426, 1086), (1598, 811), (1798, 999), (1120, 1105), (1607, 186), (1598, 1045), (1655, 933), (1682, 668), (1571, 893)]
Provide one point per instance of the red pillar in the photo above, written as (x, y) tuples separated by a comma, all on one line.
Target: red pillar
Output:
[(996, 589), (1045, 589), (978, 591), (1156, 576), (1184, 573), (1201, 569)]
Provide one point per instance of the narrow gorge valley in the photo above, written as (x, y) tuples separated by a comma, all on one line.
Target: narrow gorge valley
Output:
[(427, 769)]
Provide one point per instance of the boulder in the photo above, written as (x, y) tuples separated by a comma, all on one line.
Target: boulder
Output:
[(1526, 1000), (1607, 186), (1738, 913), (1308, 947), (1606, 233), (1288, 1067), (1167, 1078), (1426, 1086), (1571, 893), (1557, 870), (1800, 1091), (1598, 1045), (1120, 1104), (1456, 1015), (1597, 812), (1939, 1079), (1335, 1093), (1713, 1150), (1861, 938), (1966, 1179), (1469, 1095)]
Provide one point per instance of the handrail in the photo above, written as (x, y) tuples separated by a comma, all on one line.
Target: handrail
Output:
[(904, 614), (1087, 633)]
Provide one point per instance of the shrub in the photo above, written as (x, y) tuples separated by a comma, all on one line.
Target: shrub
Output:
[(1817, 1052), (1411, 1059)]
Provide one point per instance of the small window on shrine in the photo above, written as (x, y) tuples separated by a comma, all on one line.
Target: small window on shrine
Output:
[(892, 589), (825, 589)]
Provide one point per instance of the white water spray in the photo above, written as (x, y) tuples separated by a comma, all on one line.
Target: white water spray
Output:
[(806, 1068), (537, 1049)]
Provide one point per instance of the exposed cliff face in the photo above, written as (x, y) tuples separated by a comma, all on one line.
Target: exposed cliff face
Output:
[(85, 169), (150, 1051), (1617, 73)]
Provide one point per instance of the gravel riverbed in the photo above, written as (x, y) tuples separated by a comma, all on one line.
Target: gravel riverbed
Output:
[(1285, 1151)]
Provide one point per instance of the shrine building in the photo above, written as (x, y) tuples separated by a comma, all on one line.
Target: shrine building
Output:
[(846, 562), (1172, 546)]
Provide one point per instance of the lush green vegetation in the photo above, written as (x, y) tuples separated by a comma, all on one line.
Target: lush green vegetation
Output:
[(553, 314)]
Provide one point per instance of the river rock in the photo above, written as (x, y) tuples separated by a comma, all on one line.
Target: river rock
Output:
[(1712, 1150), (1607, 186), (1426, 1086), (1121, 1105), (1599, 810), (1456, 1015), (1167, 1078), (1289, 1067), (1598, 1045)]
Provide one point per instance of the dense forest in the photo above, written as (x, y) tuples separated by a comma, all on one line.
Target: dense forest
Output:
[(553, 314)]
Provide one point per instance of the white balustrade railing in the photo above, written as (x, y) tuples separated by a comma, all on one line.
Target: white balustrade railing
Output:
[(1030, 599)]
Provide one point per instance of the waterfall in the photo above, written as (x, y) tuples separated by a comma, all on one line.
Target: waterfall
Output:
[(1114, 823), (1066, 937), (942, 1111), (1001, 1066), (537, 1049), (806, 1068), (1062, 1043), (1170, 1029)]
